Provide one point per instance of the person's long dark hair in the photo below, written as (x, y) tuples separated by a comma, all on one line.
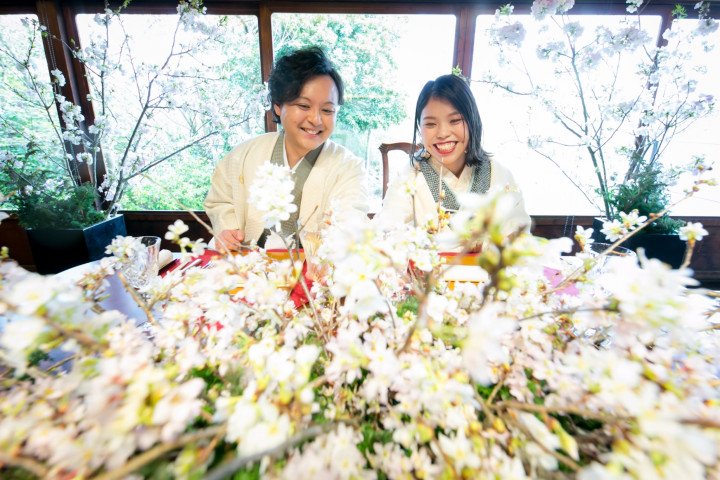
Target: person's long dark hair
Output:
[(455, 90)]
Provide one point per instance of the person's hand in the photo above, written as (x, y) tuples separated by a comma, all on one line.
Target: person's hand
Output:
[(230, 240)]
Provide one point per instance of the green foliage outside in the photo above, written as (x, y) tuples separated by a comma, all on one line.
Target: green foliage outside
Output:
[(360, 46), (37, 134), (363, 49)]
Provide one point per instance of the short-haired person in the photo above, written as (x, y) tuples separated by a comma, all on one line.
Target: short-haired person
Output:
[(305, 92), (447, 119)]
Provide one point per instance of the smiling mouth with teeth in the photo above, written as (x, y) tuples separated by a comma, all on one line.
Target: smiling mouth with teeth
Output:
[(445, 147), (311, 132)]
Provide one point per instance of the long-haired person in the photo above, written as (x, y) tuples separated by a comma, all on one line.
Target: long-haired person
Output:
[(305, 92), (451, 160)]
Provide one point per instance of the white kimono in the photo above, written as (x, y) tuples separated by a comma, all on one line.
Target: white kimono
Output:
[(398, 204), (336, 178)]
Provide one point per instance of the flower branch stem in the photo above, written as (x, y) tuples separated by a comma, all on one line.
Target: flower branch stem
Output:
[(159, 450), (179, 150), (26, 463), (316, 382), (447, 459), (528, 407), (62, 362), (567, 461), (568, 311), (78, 335), (489, 415), (688, 253), (226, 470), (572, 278), (316, 316), (34, 372), (702, 422), (141, 303), (495, 390)]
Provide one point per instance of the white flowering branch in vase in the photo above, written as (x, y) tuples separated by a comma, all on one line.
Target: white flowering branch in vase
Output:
[(615, 98), (146, 112)]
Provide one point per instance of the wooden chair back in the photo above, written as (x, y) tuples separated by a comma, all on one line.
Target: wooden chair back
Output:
[(388, 147)]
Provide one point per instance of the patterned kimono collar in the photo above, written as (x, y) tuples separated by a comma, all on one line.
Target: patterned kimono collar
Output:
[(278, 153), (299, 175), (480, 182)]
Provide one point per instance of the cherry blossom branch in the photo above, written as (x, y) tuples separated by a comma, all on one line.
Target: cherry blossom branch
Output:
[(26, 463), (531, 407), (227, 469), (160, 450), (30, 370), (571, 310), (316, 316), (701, 422), (138, 300), (489, 415), (75, 334), (448, 461), (688, 253), (567, 461), (495, 390), (572, 278), (62, 362), (181, 149)]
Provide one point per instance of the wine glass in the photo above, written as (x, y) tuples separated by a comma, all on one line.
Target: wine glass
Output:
[(143, 265), (597, 248)]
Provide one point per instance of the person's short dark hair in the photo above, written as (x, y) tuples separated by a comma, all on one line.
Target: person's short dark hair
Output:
[(455, 90), (291, 71)]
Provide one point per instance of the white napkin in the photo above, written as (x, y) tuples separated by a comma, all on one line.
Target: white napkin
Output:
[(466, 273), (164, 257)]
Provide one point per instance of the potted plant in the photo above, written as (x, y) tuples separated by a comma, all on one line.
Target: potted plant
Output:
[(71, 172), (616, 97)]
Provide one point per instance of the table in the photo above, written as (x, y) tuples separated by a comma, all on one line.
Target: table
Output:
[(117, 297)]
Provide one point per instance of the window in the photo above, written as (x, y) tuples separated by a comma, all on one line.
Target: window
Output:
[(27, 102), (198, 86), (554, 178), (384, 61), (702, 138)]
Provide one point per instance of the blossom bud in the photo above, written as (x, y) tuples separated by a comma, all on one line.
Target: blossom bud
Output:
[(425, 433)]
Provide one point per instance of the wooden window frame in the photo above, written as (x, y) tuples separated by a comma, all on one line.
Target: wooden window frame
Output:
[(59, 17)]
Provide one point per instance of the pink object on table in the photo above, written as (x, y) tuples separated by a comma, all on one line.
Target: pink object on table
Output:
[(555, 277)]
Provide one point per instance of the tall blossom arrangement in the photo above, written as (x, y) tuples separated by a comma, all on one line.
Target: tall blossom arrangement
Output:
[(136, 103), (552, 367), (616, 98)]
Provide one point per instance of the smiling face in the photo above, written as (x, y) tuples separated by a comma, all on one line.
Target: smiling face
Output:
[(444, 133), (309, 120)]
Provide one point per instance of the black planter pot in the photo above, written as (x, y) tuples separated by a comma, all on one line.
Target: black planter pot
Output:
[(667, 248), (55, 250)]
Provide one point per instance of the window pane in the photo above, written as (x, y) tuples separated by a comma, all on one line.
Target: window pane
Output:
[(209, 76), (702, 138), (28, 107), (384, 61), (555, 179)]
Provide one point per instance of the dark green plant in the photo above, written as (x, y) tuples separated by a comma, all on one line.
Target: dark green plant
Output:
[(646, 192), (45, 199), (74, 209)]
